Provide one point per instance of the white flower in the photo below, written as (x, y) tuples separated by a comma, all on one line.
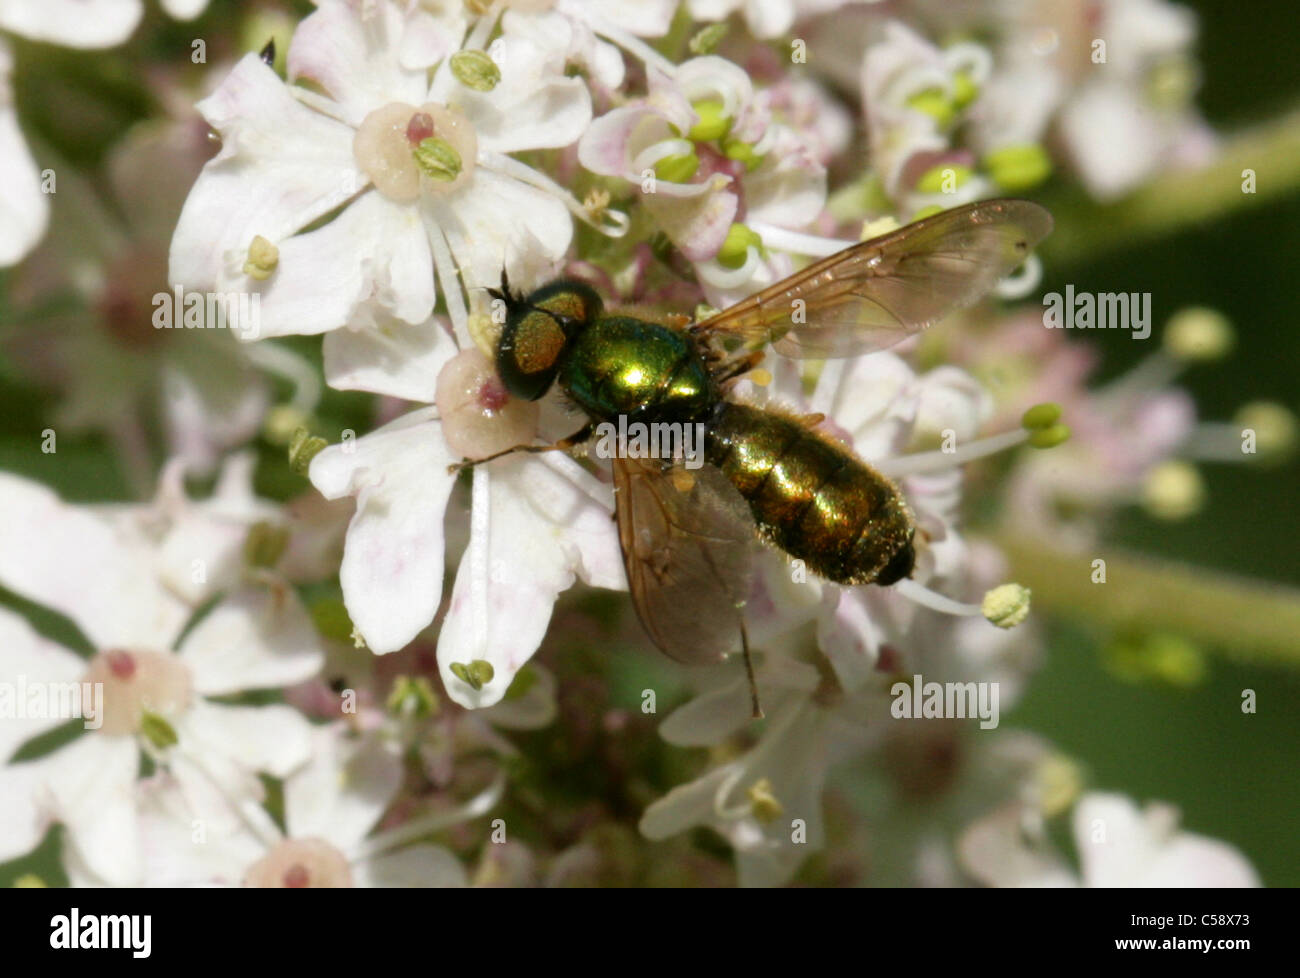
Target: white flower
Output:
[(1119, 845), (72, 23), (716, 174), (130, 578), (24, 209), (537, 522), (193, 835), (420, 171)]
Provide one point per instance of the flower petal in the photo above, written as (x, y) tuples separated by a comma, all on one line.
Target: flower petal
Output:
[(343, 790), (391, 357), (281, 166), (393, 559), (257, 638), (72, 23), (533, 530), (28, 658), (81, 565)]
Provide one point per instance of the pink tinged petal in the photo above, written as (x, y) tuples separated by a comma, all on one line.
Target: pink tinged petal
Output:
[(533, 531), (72, 23), (375, 250), (343, 790), (352, 54), (389, 357), (497, 219), (258, 638), (28, 658), (92, 791), (281, 166), (24, 209), (697, 225), (414, 866), (605, 147), (393, 559), (80, 565)]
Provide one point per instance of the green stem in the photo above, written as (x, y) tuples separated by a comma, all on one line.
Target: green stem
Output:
[(1246, 620), (1181, 198)]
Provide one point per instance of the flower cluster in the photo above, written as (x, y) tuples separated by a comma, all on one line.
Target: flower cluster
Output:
[(337, 677)]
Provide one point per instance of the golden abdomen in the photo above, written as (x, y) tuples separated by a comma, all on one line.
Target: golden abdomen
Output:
[(812, 497)]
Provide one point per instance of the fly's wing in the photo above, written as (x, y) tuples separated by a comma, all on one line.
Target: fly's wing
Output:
[(687, 539), (875, 293)]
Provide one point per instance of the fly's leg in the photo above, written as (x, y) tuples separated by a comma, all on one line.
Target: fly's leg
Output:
[(563, 445), (733, 370)]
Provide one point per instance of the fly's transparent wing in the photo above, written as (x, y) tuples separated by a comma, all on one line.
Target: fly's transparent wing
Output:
[(875, 293), (687, 539)]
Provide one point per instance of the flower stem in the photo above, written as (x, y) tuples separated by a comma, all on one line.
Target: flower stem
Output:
[(1182, 198), (1247, 620)]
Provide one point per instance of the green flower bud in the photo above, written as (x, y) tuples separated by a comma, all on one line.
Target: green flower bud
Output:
[(713, 123), (735, 249), (937, 180), (678, 168), (1050, 437), (935, 103), (742, 152), (1041, 416), (1018, 167)]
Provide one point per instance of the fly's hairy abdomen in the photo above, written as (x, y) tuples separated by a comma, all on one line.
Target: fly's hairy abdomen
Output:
[(812, 497)]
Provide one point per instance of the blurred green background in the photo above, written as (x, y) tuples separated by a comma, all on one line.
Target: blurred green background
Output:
[(1234, 776)]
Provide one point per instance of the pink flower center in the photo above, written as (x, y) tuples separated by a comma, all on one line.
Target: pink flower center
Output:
[(420, 127), (492, 395), (120, 663), (296, 876)]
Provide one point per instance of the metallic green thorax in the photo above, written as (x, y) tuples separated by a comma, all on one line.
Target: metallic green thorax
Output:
[(809, 495), (812, 497), (649, 372)]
